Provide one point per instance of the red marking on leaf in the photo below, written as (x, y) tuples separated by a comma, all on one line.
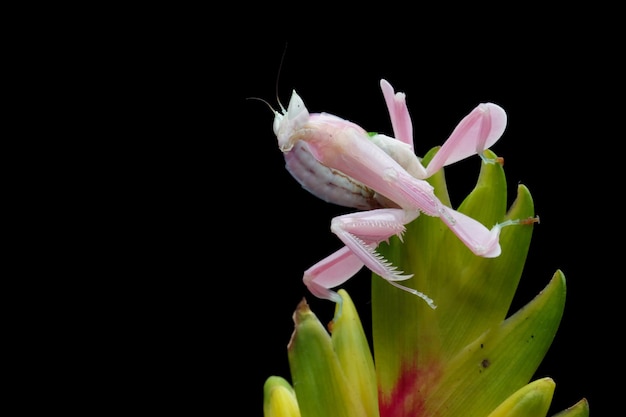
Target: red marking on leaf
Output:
[(404, 399)]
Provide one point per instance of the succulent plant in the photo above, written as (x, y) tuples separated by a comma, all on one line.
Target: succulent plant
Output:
[(466, 358)]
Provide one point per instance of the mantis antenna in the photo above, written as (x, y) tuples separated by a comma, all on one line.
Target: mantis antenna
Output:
[(280, 66)]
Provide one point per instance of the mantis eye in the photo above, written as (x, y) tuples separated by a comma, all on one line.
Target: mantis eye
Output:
[(277, 121)]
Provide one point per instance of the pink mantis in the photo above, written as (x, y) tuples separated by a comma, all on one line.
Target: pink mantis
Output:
[(339, 162)]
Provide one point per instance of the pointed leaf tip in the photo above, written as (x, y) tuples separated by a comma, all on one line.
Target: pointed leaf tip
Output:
[(532, 400), (580, 409)]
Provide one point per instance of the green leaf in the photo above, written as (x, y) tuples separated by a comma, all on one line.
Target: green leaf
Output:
[(353, 352), (473, 294), (502, 359), (481, 290), (321, 386)]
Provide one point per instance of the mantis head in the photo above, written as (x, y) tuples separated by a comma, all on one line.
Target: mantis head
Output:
[(289, 121)]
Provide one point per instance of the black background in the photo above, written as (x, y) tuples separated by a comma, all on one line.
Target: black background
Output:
[(221, 233), (555, 90), (164, 241)]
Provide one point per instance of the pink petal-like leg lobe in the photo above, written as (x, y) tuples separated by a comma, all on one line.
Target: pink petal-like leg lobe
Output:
[(478, 131), (330, 272), (398, 113)]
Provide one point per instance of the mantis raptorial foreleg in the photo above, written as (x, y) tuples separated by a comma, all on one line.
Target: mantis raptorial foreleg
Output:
[(371, 228)]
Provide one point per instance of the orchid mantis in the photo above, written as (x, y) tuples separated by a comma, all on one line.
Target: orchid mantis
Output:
[(339, 162)]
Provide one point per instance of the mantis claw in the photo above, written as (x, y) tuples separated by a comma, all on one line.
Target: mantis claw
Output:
[(429, 301), (498, 160)]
